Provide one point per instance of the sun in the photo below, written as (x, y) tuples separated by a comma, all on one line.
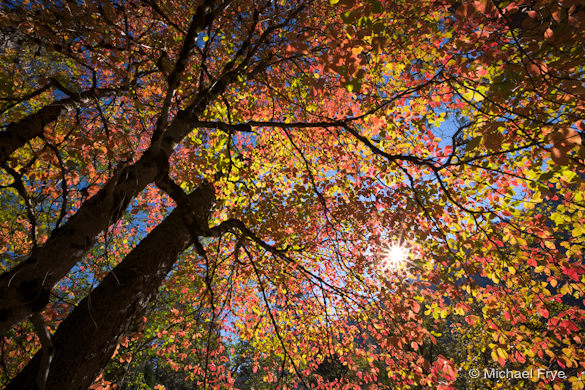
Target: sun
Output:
[(395, 257)]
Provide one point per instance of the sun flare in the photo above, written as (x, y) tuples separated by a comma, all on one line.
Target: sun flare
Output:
[(395, 257)]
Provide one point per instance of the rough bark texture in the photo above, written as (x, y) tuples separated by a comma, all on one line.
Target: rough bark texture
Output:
[(86, 340), (25, 289)]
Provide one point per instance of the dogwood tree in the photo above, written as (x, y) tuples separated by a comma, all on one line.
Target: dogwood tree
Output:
[(338, 186)]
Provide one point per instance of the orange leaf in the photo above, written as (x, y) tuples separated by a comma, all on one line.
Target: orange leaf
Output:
[(493, 141)]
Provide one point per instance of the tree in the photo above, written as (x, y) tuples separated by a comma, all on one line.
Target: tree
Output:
[(293, 144)]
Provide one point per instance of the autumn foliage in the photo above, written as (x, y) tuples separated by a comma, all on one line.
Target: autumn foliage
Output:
[(340, 194)]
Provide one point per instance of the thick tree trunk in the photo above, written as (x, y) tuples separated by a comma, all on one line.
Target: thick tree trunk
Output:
[(25, 289), (17, 134), (86, 340)]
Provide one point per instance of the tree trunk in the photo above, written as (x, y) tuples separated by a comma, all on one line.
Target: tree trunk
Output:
[(25, 289), (86, 340)]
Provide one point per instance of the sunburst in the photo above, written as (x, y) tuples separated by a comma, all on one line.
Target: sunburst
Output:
[(395, 257)]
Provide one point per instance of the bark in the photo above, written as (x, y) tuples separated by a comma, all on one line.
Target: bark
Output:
[(17, 134), (86, 340), (25, 289)]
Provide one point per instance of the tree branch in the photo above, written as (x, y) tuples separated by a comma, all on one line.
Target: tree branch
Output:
[(17, 134), (86, 340)]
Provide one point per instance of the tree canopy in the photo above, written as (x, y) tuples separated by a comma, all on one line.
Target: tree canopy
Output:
[(339, 194)]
